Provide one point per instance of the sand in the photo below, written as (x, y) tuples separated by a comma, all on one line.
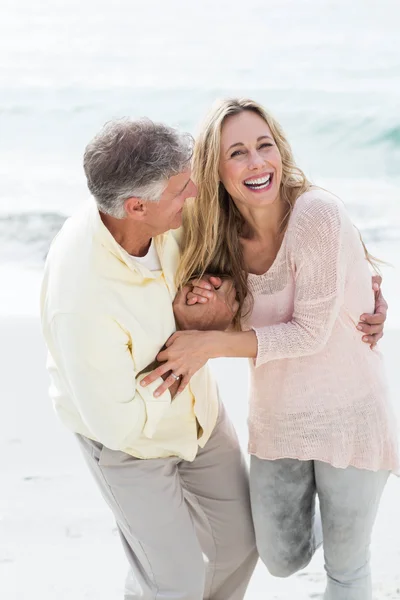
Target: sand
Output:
[(57, 537)]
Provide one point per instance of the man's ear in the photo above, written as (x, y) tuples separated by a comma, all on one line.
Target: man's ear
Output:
[(135, 208)]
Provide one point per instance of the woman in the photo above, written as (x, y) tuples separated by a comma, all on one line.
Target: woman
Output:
[(320, 421)]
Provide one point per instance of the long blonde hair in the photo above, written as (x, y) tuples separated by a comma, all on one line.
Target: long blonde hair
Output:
[(213, 225)]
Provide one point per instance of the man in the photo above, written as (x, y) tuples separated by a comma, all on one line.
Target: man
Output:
[(170, 467)]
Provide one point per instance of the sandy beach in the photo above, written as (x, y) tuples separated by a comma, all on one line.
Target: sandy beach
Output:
[(57, 537)]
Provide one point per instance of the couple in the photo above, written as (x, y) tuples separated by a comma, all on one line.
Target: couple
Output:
[(267, 267)]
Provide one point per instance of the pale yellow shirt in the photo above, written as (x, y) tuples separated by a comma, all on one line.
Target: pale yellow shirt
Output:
[(105, 317)]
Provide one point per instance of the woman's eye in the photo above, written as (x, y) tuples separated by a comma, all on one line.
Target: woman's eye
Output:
[(236, 153), (266, 145)]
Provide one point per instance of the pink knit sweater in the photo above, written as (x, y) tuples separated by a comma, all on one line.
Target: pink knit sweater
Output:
[(317, 391)]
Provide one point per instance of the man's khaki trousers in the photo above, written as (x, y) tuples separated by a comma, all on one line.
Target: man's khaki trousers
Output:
[(186, 527)]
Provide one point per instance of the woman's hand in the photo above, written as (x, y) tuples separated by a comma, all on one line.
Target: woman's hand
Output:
[(186, 352), (215, 310), (372, 325), (204, 289)]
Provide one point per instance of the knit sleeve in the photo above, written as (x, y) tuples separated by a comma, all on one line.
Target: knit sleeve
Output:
[(317, 251)]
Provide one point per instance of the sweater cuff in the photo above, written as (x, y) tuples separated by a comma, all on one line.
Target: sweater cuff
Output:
[(262, 347)]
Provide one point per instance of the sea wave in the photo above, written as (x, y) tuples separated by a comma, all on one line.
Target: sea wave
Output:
[(26, 237), (338, 116)]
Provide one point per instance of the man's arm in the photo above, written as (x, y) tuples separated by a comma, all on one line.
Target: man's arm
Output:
[(94, 357)]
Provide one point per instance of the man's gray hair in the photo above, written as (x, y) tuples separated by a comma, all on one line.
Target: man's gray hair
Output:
[(134, 158)]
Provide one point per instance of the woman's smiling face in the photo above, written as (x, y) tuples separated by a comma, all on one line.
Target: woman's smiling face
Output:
[(250, 166)]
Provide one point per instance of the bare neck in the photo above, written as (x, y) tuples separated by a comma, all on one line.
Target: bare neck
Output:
[(134, 239), (264, 222)]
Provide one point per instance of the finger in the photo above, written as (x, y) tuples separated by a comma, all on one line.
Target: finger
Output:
[(181, 296), (202, 283), (376, 282), (172, 338), (381, 305), (162, 357), (376, 319), (216, 281), (372, 339), (159, 372), (369, 329), (199, 291), (170, 380), (197, 299), (192, 300), (183, 384), (378, 337)]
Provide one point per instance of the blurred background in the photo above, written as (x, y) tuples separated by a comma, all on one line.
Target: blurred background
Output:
[(329, 70)]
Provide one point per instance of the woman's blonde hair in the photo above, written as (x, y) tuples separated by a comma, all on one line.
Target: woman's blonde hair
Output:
[(213, 225)]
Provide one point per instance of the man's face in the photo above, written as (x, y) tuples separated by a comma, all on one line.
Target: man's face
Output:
[(167, 213)]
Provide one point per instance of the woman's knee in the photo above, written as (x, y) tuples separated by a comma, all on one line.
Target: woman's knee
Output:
[(284, 563), (285, 546), (283, 500)]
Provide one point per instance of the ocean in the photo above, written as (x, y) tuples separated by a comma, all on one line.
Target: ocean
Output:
[(328, 70)]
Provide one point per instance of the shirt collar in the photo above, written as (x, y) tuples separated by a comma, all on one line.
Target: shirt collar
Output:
[(165, 244)]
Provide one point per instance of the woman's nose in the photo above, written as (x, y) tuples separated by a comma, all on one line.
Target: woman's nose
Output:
[(255, 160)]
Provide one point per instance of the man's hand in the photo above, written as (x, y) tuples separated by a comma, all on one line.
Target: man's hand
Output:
[(372, 325), (214, 311)]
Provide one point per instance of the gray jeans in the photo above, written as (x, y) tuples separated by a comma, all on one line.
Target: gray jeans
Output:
[(283, 496), (186, 527)]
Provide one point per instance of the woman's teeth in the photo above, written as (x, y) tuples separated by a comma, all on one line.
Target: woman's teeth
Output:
[(258, 184)]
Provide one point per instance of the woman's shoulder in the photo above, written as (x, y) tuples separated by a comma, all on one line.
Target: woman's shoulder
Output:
[(317, 215), (319, 207), (318, 201)]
